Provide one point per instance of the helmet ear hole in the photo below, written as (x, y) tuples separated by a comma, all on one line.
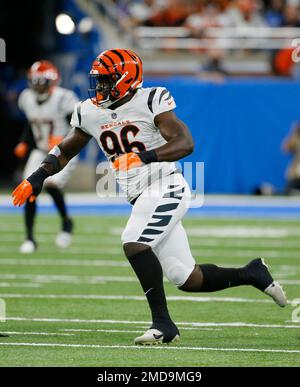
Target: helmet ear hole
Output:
[(115, 93), (116, 76)]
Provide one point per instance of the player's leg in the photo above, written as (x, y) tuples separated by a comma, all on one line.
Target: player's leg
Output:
[(29, 245), (149, 272), (54, 185), (180, 268), (153, 216), (66, 222)]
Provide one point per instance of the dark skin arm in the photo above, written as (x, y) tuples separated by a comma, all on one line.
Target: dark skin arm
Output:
[(179, 139), (69, 147)]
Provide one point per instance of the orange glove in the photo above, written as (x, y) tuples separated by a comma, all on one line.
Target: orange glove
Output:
[(22, 193), (54, 140), (127, 161), (21, 150)]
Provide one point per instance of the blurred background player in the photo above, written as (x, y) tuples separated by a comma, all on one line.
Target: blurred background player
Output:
[(291, 145), (48, 109)]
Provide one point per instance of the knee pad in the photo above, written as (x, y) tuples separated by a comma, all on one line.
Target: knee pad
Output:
[(176, 271)]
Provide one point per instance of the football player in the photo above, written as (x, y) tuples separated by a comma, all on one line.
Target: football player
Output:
[(142, 137), (48, 109)]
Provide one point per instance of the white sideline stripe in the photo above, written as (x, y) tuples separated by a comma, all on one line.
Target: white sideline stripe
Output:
[(63, 262), (151, 347), (128, 322), (135, 298), (38, 333)]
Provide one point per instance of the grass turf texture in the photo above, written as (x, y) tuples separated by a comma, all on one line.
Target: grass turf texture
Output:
[(87, 282)]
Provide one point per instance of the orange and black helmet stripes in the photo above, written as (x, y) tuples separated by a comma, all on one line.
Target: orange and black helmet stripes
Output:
[(120, 70)]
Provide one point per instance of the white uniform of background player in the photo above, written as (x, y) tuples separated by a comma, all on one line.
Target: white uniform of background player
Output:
[(159, 192), (48, 119), (47, 108)]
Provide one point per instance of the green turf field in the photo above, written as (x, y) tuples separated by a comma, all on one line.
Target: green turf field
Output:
[(83, 306)]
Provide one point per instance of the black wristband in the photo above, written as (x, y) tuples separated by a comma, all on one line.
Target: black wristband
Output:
[(53, 160), (148, 156), (37, 180)]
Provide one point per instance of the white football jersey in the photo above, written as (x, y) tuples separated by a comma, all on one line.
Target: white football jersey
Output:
[(48, 118), (129, 128)]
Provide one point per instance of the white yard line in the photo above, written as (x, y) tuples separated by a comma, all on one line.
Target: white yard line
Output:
[(70, 250), (132, 298), (289, 282), (168, 348), (65, 279), (19, 285), (134, 322), (102, 330), (197, 253), (237, 231), (40, 279), (137, 331), (37, 333), (63, 262), (98, 240)]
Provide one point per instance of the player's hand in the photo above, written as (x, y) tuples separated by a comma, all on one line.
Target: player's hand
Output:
[(21, 150), (23, 192), (53, 141), (30, 188), (127, 161)]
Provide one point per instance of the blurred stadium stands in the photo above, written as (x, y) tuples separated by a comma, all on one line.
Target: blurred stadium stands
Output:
[(227, 63)]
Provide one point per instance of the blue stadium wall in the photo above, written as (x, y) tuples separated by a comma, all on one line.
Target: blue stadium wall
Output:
[(238, 127)]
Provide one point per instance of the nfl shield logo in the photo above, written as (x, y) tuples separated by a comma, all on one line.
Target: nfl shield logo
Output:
[(114, 115)]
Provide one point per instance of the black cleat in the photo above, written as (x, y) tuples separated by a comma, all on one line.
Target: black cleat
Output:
[(258, 275)]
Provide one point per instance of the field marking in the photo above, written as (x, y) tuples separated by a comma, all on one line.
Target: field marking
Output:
[(19, 285), (238, 231), (37, 333), (43, 278), (63, 262), (199, 254), (194, 240), (139, 322), (139, 331), (102, 330), (289, 282), (70, 250), (168, 348), (40, 279), (133, 298)]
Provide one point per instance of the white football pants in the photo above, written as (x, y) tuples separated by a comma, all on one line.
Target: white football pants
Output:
[(156, 221)]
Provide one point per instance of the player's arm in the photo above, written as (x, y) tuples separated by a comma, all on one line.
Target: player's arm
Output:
[(290, 143), (179, 139), (179, 144), (26, 142), (54, 162)]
